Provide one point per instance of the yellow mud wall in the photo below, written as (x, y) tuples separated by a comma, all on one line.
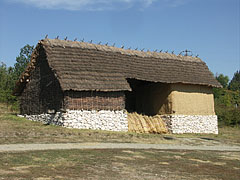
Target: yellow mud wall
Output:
[(154, 99), (192, 99)]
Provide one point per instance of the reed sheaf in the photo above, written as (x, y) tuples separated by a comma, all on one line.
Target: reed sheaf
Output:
[(146, 124)]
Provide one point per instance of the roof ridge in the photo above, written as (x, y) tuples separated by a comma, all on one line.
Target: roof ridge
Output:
[(99, 70), (84, 45)]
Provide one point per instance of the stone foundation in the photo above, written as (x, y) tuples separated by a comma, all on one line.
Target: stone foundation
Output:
[(117, 121), (83, 119), (191, 123)]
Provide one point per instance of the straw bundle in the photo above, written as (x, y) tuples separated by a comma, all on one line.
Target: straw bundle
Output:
[(146, 124)]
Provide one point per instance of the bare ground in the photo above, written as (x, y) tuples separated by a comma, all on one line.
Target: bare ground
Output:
[(117, 163), (64, 146), (120, 164)]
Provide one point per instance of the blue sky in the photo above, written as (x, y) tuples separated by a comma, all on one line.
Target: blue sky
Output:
[(210, 28)]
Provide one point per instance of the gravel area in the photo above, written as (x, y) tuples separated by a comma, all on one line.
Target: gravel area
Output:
[(37, 147)]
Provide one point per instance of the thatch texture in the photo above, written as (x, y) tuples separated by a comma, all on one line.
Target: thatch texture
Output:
[(83, 66), (146, 124)]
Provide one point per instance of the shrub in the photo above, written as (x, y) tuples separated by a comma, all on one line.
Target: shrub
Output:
[(227, 107)]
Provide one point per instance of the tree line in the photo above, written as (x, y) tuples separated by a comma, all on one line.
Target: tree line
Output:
[(9, 75), (227, 99)]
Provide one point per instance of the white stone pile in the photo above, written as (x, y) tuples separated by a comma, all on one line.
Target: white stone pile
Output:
[(193, 123), (83, 119), (53, 118), (117, 121)]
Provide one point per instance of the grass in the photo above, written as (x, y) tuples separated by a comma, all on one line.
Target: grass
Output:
[(112, 163), (226, 134), (14, 129), (120, 164)]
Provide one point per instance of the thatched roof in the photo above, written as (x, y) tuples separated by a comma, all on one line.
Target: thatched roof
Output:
[(84, 66)]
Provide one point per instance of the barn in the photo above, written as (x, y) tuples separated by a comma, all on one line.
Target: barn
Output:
[(91, 86)]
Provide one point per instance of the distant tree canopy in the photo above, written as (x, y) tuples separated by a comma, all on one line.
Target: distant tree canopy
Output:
[(23, 59), (9, 75), (227, 100), (3, 75), (7, 83), (223, 80), (234, 85), (227, 106)]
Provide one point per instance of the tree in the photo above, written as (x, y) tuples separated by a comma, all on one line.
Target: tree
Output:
[(6, 83), (11, 81), (234, 85), (223, 80), (9, 75), (3, 75), (22, 60)]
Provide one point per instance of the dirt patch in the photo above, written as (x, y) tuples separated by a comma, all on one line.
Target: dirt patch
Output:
[(124, 158), (128, 151), (17, 169), (5, 172), (208, 162), (163, 163), (231, 156), (119, 164), (139, 157), (177, 157)]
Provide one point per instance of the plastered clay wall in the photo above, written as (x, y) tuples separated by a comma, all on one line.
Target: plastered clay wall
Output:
[(192, 100)]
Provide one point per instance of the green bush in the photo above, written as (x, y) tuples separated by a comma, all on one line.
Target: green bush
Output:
[(227, 107), (11, 101)]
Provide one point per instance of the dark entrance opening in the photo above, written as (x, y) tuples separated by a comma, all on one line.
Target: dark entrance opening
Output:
[(148, 98), (133, 97)]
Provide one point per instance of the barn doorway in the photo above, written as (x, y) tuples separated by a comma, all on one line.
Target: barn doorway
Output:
[(147, 97)]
